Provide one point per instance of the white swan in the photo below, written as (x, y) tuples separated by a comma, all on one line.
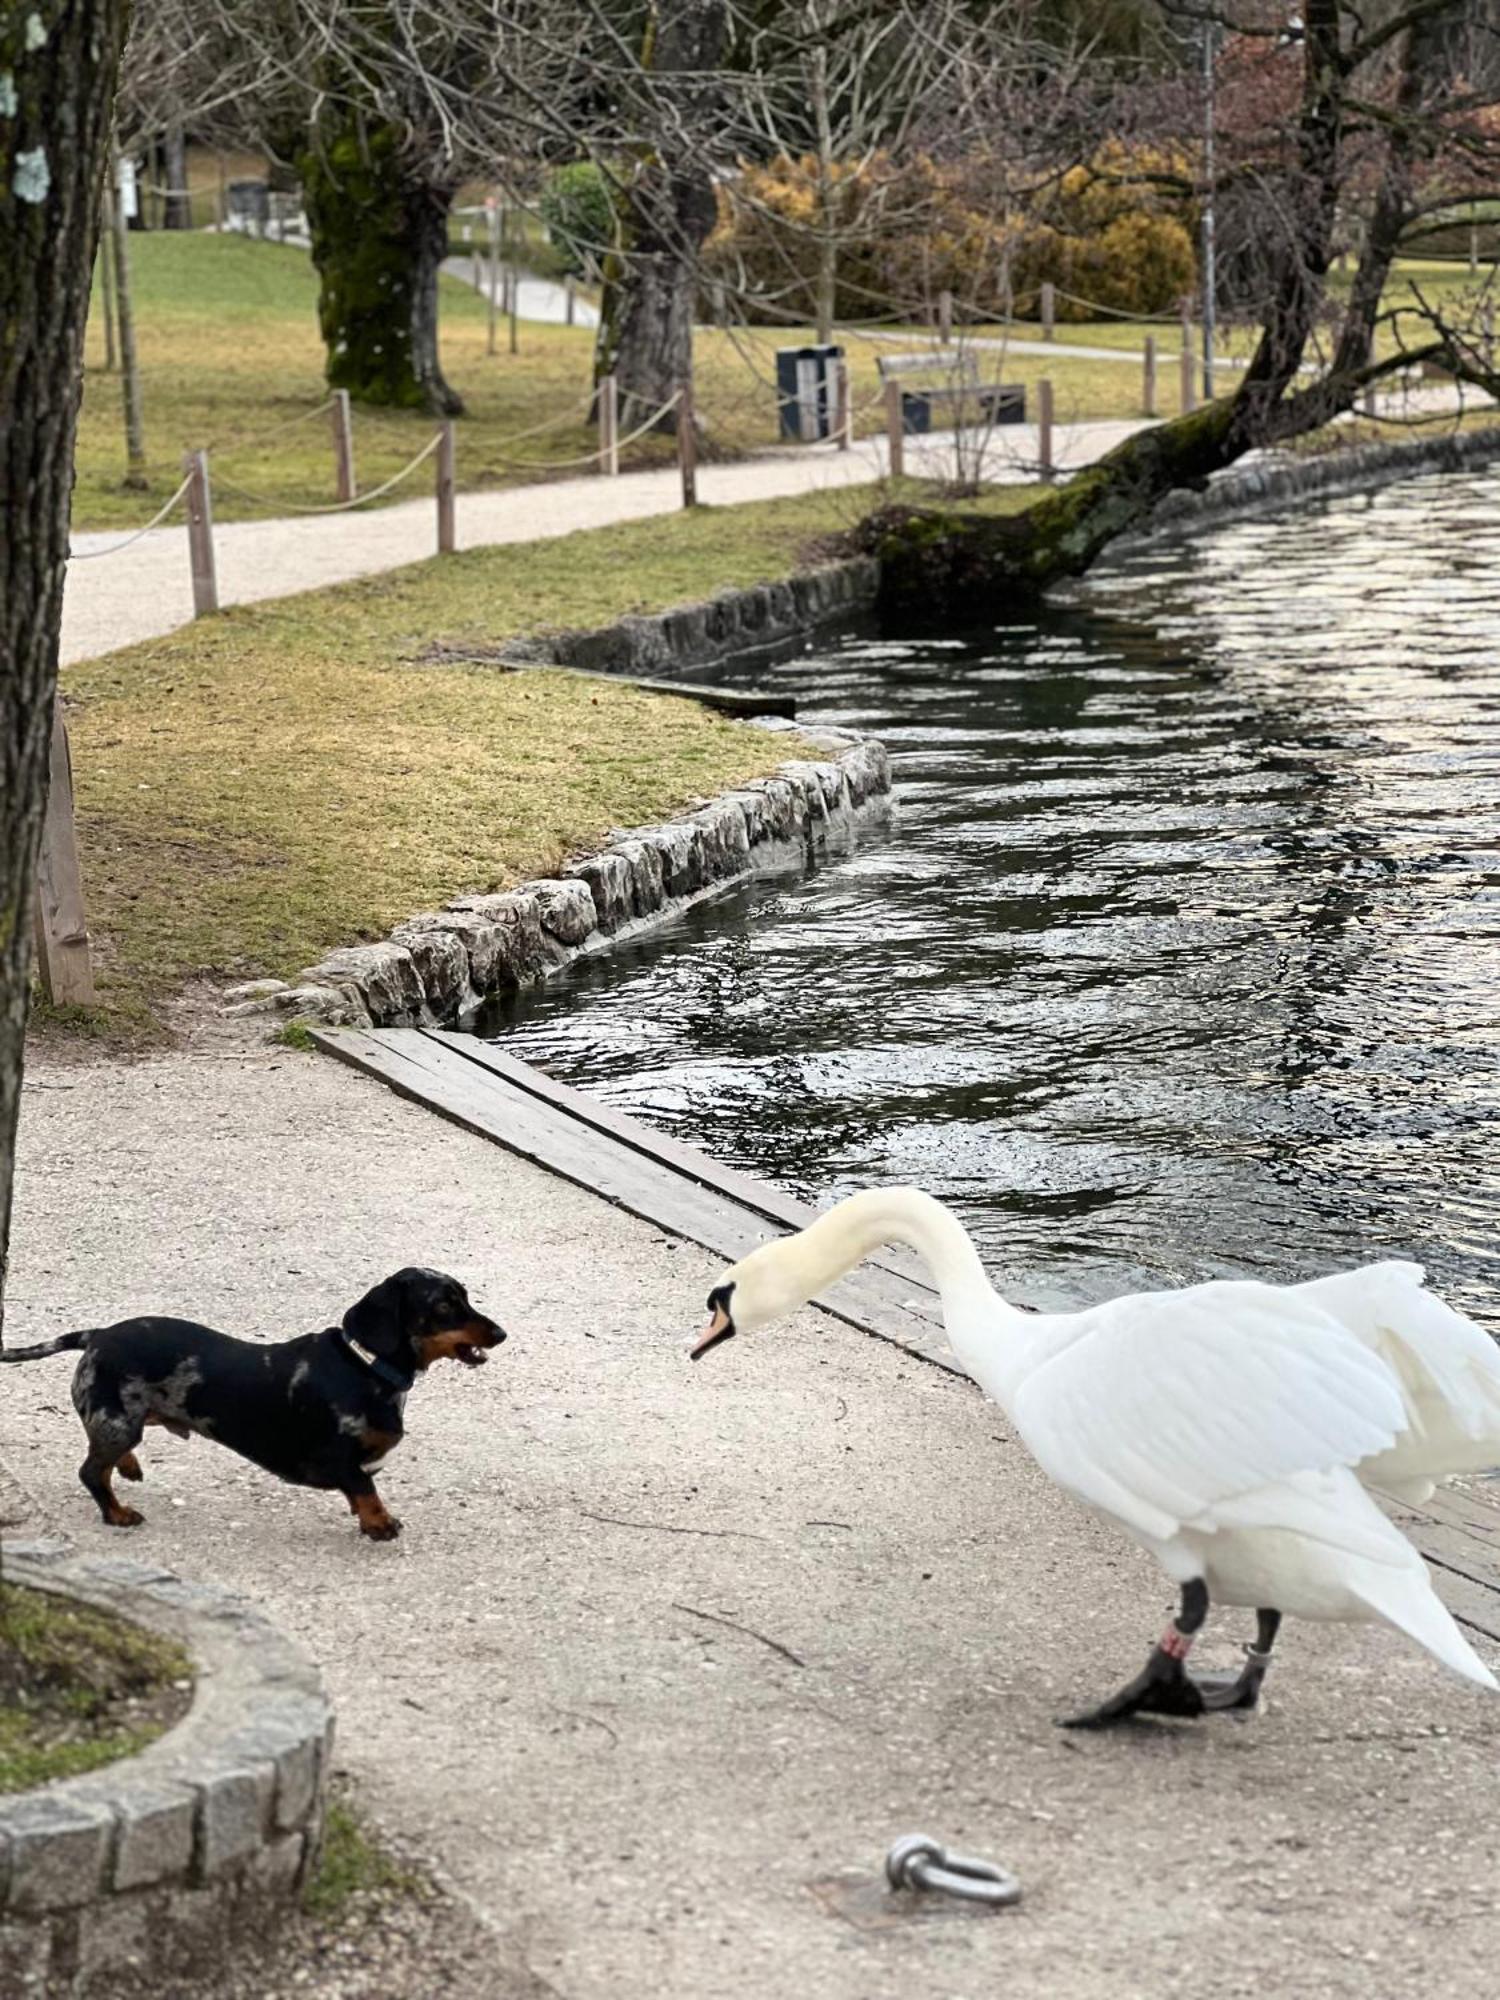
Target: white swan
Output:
[(1231, 1427)]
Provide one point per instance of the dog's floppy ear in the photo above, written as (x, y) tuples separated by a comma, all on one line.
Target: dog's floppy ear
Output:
[(377, 1321)]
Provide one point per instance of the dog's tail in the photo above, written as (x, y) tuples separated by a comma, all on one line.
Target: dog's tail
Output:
[(64, 1344)]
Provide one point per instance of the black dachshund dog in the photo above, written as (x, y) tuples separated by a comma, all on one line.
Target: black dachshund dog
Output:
[(322, 1410)]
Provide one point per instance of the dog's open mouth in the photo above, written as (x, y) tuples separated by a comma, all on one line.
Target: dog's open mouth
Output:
[(471, 1357)]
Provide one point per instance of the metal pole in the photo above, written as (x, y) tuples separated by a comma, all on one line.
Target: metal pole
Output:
[(1044, 427), (343, 447), (945, 318), (569, 303), (1208, 212), (200, 519), (1148, 371), (447, 538)]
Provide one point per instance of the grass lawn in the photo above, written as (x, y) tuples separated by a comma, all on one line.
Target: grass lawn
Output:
[(230, 353), (260, 786), (79, 1688)]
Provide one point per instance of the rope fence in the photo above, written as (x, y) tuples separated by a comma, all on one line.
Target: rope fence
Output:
[(201, 472)]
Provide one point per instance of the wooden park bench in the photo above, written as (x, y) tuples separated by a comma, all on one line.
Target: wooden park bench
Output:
[(956, 389)]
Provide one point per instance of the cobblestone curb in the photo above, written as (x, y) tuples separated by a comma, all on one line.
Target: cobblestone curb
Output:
[(732, 621), (437, 967), (1284, 480), (155, 1865)]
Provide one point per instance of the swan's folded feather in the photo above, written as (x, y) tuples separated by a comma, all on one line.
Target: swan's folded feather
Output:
[(1448, 1370), (1168, 1404)]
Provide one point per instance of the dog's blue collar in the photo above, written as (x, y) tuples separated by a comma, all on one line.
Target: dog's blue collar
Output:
[(382, 1369)]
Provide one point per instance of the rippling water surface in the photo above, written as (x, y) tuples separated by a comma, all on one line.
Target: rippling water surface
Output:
[(1179, 955)]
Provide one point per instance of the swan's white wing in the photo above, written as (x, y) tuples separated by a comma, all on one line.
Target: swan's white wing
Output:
[(1448, 1369), (1168, 1405)]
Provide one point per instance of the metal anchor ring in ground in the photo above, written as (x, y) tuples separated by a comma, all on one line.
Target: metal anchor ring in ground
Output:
[(919, 1862)]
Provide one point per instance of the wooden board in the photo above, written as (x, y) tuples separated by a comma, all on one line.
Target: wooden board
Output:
[(690, 1194), (422, 1066)]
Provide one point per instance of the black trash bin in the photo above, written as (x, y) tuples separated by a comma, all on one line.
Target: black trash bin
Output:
[(805, 391)]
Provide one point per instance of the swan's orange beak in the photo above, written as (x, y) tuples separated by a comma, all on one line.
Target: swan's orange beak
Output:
[(720, 1327)]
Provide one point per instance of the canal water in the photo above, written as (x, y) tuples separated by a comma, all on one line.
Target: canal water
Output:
[(1178, 957)]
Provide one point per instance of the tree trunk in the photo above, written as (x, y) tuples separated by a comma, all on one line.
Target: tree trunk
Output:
[(130, 367), (54, 141), (828, 249), (664, 214), (177, 209), (379, 237)]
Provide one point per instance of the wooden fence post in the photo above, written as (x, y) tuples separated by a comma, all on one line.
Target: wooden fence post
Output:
[(945, 318), (200, 524), (843, 406), (895, 418), (1044, 427), (1049, 309), (343, 447), (569, 302), (1148, 376), (62, 937), (1185, 310), (609, 424), (687, 445), (447, 538), (1185, 365)]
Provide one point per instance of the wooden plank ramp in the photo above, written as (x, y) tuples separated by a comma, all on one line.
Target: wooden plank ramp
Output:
[(667, 1183), (689, 1194)]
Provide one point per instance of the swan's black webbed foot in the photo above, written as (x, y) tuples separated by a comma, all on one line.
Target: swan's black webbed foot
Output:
[(1167, 1688), (1223, 1692), (1163, 1688)]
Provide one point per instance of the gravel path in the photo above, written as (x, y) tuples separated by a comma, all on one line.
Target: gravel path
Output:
[(667, 1656), (145, 590)]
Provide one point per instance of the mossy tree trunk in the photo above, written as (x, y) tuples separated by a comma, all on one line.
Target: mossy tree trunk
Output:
[(665, 211), (977, 565), (58, 66), (379, 236)]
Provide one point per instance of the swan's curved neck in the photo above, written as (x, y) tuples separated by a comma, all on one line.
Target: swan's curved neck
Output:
[(837, 1241)]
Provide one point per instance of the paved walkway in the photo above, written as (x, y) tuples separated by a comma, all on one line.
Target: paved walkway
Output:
[(536, 298), (564, 1681), (145, 590)]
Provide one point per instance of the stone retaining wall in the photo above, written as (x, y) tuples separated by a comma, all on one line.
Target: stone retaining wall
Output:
[(732, 621), (1284, 480), (154, 1865), (436, 968)]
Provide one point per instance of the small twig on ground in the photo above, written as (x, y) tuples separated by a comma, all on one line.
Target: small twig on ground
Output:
[(666, 1527), (749, 1631)]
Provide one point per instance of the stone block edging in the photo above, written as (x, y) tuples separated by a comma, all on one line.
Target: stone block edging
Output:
[(729, 622), (437, 967), (154, 1865), (1283, 480)]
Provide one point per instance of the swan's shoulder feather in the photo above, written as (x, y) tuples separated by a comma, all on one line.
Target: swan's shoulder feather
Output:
[(1166, 1404)]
